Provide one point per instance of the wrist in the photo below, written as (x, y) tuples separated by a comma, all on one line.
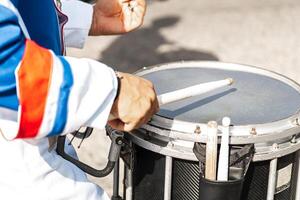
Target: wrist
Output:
[(119, 77)]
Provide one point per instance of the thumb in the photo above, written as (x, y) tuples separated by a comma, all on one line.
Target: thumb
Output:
[(117, 124), (129, 127)]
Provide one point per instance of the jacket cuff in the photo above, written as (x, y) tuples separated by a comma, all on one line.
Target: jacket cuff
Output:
[(80, 17)]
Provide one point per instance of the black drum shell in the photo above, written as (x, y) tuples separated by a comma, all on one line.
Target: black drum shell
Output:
[(149, 171)]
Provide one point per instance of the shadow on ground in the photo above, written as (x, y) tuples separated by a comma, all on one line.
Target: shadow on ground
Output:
[(147, 46)]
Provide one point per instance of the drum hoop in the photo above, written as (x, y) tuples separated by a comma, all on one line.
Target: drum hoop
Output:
[(241, 134), (262, 153)]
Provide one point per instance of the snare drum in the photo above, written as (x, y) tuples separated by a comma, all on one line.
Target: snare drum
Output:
[(263, 107)]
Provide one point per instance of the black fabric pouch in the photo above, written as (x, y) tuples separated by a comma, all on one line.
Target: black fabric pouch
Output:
[(220, 190), (239, 160)]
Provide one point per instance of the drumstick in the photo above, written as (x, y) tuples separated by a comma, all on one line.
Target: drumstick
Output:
[(224, 151), (189, 92), (192, 91), (211, 151)]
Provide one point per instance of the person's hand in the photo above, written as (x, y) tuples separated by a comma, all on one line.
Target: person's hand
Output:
[(117, 16), (135, 104)]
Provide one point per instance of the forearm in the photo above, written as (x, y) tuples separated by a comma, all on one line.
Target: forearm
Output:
[(61, 93)]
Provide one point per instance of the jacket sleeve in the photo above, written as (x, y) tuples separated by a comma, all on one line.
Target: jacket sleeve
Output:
[(51, 94), (79, 22)]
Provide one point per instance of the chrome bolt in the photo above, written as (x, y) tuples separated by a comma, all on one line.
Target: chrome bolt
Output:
[(296, 122), (275, 146), (119, 141), (293, 140), (172, 144)]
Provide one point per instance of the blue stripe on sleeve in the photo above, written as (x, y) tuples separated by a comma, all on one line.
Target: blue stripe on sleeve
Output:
[(41, 21), (62, 109), (12, 45)]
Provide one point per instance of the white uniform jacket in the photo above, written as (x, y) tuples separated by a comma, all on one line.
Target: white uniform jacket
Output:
[(45, 94)]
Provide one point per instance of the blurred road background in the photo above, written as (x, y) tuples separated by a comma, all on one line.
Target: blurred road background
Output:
[(260, 33)]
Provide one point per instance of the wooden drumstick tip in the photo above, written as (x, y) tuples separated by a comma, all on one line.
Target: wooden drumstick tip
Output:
[(211, 151), (212, 124), (230, 81)]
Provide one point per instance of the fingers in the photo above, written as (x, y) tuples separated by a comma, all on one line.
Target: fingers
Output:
[(129, 126), (133, 14), (153, 107), (117, 124)]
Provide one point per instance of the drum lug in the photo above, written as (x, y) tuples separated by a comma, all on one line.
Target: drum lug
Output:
[(148, 135), (275, 146), (296, 122), (293, 140)]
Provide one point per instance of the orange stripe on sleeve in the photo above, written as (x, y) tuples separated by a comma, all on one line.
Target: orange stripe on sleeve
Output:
[(33, 83)]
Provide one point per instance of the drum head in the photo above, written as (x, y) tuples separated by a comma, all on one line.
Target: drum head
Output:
[(256, 97)]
